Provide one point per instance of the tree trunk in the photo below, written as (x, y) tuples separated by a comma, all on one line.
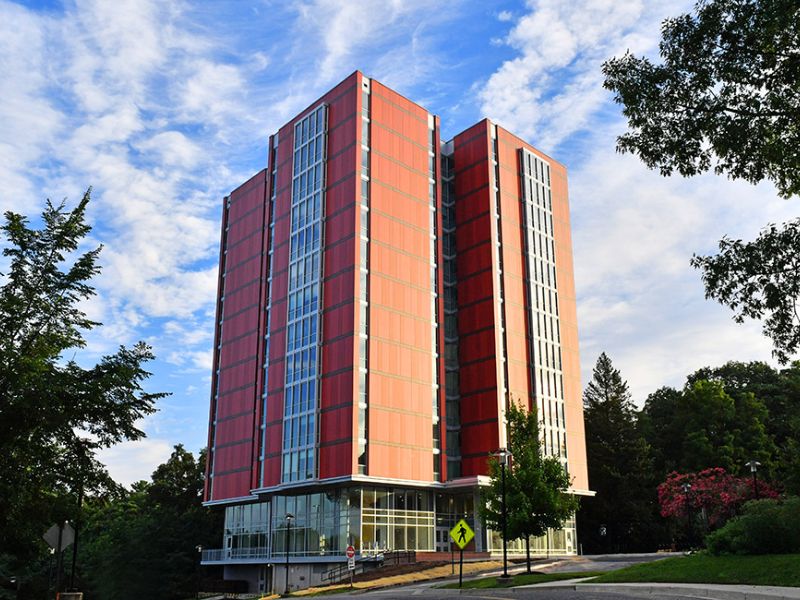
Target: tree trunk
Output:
[(528, 551)]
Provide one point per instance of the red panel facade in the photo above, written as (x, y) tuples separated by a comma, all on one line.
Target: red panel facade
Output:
[(336, 401), (476, 299), (235, 381)]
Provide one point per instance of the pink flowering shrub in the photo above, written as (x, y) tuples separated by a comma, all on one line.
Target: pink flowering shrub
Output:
[(714, 492)]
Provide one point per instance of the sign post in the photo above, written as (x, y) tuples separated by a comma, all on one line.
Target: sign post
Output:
[(461, 534), (350, 553), (59, 537)]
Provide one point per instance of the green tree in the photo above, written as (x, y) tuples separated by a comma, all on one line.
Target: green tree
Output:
[(777, 416), (54, 413), (662, 430), (620, 469), (703, 426), (760, 280), (725, 96), (537, 486), (707, 417), (153, 529)]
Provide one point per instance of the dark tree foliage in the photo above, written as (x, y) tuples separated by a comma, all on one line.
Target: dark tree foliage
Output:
[(661, 430), (620, 470), (760, 280), (779, 392), (703, 426), (537, 486), (55, 413), (725, 94), (143, 544)]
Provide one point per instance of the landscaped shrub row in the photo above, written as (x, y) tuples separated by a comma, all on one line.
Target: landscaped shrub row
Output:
[(764, 527)]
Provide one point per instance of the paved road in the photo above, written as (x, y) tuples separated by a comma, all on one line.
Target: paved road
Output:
[(430, 591)]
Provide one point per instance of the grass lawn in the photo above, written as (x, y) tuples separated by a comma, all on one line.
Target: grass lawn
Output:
[(766, 569), (523, 579)]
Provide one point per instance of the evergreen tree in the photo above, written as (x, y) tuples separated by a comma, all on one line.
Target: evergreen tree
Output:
[(620, 469)]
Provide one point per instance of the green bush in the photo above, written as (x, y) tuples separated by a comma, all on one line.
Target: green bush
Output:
[(764, 527)]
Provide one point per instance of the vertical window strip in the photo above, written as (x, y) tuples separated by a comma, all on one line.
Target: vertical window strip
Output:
[(434, 261), (271, 232), (500, 273), (304, 302), (545, 338), (451, 381), (364, 247)]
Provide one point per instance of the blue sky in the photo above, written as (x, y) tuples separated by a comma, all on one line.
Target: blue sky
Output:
[(164, 107)]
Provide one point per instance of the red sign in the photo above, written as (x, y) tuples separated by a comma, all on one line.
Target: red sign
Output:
[(350, 552)]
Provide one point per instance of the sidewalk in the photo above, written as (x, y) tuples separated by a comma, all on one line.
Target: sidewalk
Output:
[(695, 590), (420, 576)]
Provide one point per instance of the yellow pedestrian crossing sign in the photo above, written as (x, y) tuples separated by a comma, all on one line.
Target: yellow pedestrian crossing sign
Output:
[(462, 534)]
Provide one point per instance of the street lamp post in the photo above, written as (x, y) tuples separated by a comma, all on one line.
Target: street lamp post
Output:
[(289, 518), (503, 454), (754, 464), (687, 487), (199, 549)]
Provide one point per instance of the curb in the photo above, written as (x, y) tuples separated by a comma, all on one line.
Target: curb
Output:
[(717, 592)]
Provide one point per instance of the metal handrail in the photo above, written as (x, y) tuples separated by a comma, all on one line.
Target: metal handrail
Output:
[(223, 554), (385, 559), (339, 572)]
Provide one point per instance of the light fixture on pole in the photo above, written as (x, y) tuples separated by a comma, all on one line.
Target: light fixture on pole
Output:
[(687, 488), (503, 455), (289, 518), (754, 464)]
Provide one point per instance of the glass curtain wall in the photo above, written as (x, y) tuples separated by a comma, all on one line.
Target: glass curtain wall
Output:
[(304, 310), (396, 519), (324, 523), (555, 541), (246, 531)]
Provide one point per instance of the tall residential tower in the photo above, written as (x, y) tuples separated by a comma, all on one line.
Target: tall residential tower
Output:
[(382, 296)]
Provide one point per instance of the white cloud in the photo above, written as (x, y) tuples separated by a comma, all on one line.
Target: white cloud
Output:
[(29, 121), (388, 39), (504, 16), (197, 361), (633, 231), (188, 332), (553, 86), (213, 93), (172, 149), (639, 300), (130, 462)]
